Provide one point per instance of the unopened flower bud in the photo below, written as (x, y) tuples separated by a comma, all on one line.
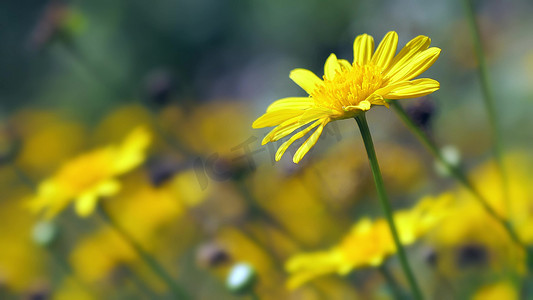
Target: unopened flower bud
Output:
[(58, 22), (452, 156), (162, 169), (44, 233), (211, 255), (159, 87), (422, 112), (472, 255), (241, 278)]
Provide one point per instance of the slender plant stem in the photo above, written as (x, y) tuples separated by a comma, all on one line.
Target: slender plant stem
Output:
[(455, 171), (55, 252), (385, 205), (488, 97), (178, 292)]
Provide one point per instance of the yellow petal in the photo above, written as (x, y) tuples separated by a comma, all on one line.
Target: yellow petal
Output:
[(132, 151), (285, 146), (412, 48), (376, 99), (307, 266), (276, 117), (386, 50), (283, 130), (290, 103), (313, 114), (292, 124), (85, 204), (363, 105), (331, 67), (308, 144), (416, 65), (306, 79), (108, 188), (389, 87), (345, 65), (363, 46), (413, 89)]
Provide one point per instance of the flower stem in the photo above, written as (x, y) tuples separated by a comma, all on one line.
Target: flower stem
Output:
[(384, 201), (455, 171), (488, 98), (177, 291)]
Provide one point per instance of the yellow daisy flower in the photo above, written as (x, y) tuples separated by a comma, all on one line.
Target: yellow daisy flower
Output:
[(90, 176), (348, 89), (368, 243)]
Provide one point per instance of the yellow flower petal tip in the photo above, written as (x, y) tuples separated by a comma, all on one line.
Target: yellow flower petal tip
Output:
[(369, 242), (347, 89)]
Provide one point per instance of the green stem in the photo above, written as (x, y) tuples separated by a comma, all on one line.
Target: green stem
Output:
[(488, 98), (59, 259), (384, 201), (455, 171), (179, 292)]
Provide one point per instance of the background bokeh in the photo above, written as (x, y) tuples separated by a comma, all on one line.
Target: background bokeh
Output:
[(77, 75)]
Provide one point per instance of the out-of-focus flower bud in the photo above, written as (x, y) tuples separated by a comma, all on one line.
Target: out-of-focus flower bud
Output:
[(211, 255), (431, 257), (241, 279), (39, 294), (58, 22), (451, 155), (159, 87), (422, 112), (471, 255), (236, 168), (44, 233), (163, 169)]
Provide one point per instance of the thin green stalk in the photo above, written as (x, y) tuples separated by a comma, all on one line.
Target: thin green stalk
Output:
[(59, 258), (488, 97), (140, 284), (455, 171), (384, 201), (177, 291)]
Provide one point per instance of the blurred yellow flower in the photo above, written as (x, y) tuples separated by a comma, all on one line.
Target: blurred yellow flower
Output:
[(149, 214), (198, 126), (95, 256), (497, 291), (478, 230), (369, 243), (90, 176), (22, 262), (158, 206), (48, 138), (70, 289), (347, 89)]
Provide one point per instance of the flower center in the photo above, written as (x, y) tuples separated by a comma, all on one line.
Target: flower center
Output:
[(86, 171), (349, 87)]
